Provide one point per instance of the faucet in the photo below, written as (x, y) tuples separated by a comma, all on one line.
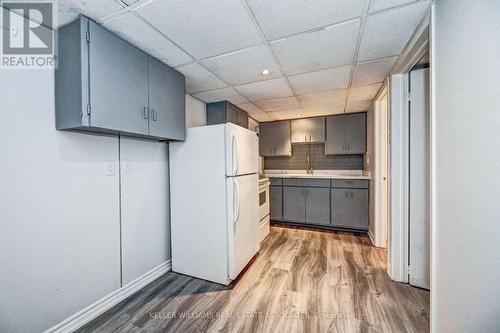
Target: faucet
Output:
[(309, 166)]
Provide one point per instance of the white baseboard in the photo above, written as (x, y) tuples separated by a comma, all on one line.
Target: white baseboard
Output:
[(92, 311)]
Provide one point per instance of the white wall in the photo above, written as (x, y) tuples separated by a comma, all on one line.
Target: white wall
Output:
[(465, 64), (195, 112), (59, 211), (370, 165)]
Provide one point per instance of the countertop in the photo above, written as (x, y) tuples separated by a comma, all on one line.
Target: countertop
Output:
[(322, 174)]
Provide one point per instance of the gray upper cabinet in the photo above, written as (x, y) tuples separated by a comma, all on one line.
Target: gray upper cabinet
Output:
[(308, 130), (346, 134), (349, 208), (225, 112), (119, 83), (166, 102), (106, 85), (355, 133), (274, 139), (335, 135)]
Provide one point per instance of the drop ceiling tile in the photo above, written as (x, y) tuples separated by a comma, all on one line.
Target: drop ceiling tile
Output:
[(327, 79), (278, 104), (129, 2), (245, 66), (203, 28), (330, 47), (133, 29), (250, 108), (262, 117), (324, 102), (224, 94), (373, 71), (262, 90), (69, 10), (377, 5), (291, 114), (387, 33), (362, 93), (198, 79), (280, 18), (358, 106)]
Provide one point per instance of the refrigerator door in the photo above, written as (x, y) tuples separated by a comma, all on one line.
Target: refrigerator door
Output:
[(243, 219), (242, 151)]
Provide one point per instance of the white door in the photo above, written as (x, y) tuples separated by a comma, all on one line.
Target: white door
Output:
[(419, 246), (242, 151), (243, 219)]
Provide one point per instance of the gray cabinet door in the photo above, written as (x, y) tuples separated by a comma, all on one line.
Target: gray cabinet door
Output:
[(335, 135), (118, 83), (316, 129), (282, 138), (276, 202), (300, 130), (294, 204), (266, 139), (166, 102), (242, 118), (317, 205), (355, 133), (349, 208)]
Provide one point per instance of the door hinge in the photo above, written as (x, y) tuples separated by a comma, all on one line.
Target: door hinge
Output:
[(409, 96), (89, 109), (408, 269), (87, 36)]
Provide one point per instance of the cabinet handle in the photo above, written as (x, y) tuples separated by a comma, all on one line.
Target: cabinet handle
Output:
[(346, 194), (155, 114), (305, 137), (145, 113), (343, 147), (309, 137), (352, 194)]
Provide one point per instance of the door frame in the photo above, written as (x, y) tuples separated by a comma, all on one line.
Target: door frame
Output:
[(398, 119)]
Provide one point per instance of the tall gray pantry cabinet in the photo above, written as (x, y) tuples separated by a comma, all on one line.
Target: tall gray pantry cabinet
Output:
[(106, 85)]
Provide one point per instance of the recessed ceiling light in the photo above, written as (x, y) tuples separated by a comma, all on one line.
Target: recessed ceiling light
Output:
[(266, 71), (299, 115)]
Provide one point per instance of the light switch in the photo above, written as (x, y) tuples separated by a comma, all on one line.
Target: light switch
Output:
[(127, 166), (109, 168)]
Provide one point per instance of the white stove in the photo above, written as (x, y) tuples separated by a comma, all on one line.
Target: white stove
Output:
[(264, 218)]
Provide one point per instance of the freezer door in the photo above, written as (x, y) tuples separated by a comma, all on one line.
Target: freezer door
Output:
[(242, 151), (243, 221)]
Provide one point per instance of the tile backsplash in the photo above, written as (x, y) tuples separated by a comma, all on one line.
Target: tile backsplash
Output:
[(319, 161)]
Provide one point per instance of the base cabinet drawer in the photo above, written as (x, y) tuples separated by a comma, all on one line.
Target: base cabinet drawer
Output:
[(276, 202), (349, 208)]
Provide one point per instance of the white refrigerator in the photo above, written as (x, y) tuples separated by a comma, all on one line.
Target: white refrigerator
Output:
[(214, 201)]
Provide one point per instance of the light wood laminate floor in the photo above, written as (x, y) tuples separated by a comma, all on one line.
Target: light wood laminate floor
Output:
[(301, 281)]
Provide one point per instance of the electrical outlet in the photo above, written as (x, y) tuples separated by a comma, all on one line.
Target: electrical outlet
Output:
[(109, 168)]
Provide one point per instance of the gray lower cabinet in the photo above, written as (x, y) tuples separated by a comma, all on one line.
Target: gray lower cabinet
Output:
[(349, 208), (275, 139), (294, 204), (318, 205), (276, 202), (104, 84)]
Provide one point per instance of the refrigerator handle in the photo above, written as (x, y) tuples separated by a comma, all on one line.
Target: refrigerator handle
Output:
[(236, 200), (235, 155)]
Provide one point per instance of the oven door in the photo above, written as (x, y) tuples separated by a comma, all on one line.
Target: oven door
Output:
[(263, 200)]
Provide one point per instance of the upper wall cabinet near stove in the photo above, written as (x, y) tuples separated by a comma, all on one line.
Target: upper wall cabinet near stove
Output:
[(226, 112), (106, 85), (308, 130), (274, 139), (346, 134)]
